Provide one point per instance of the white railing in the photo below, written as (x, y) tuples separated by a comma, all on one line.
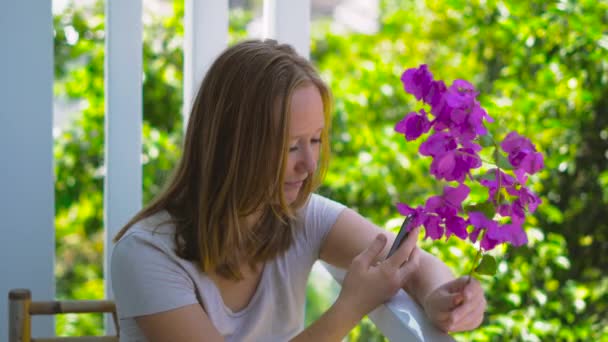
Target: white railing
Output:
[(26, 180)]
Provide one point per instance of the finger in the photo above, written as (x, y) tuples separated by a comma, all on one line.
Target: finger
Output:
[(473, 288), (468, 306), (450, 302), (410, 266), (455, 320), (373, 250), (457, 285), (471, 320), (402, 254)]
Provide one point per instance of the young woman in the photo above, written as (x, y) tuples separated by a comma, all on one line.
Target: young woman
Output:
[(225, 251)]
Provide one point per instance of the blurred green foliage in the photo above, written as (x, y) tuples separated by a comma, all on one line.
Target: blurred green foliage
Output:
[(541, 67)]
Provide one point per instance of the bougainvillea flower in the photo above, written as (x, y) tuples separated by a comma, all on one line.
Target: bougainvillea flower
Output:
[(479, 221), (526, 200), (532, 162), (458, 120), (438, 144), (468, 158), (505, 210), (522, 153), (461, 94), (511, 232), (456, 225), (414, 125), (432, 227), (418, 214), (513, 142), (448, 204), (455, 195), (499, 178), (435, 93), (521, 176), (444, 167), (455, 165), (417, 81)]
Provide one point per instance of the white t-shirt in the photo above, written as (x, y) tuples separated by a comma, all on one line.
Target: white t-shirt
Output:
[(148, 277)]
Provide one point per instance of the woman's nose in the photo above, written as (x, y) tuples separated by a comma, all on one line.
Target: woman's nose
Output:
[(308, 160)]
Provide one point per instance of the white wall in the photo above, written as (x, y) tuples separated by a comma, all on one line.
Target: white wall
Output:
[(27, 230)]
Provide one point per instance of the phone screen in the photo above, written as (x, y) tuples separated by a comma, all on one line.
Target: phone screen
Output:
[(403, 233)]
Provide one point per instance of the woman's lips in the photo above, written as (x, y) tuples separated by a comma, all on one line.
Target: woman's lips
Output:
[(293, 185)]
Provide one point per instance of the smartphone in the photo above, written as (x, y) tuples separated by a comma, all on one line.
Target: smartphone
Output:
[(401, 236)]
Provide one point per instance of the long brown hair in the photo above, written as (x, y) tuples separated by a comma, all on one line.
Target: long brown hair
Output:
[(234, 159)]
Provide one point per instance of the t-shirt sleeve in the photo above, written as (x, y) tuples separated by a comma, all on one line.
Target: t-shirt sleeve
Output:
[(321, 214), (146, 278)]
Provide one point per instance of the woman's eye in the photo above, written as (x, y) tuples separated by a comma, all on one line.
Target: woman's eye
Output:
[(316, 141), (293, 148)]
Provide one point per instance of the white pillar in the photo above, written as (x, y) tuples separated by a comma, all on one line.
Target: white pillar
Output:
[(123, 103), (27, 245), (206, 36), (288, 22)]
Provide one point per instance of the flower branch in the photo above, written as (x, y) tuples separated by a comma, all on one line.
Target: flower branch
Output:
[(454, 134)]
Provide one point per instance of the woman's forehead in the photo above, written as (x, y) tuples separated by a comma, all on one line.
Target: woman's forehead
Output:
[(307, 112)]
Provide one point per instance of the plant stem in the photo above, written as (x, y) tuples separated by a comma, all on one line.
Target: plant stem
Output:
[(475, 262)]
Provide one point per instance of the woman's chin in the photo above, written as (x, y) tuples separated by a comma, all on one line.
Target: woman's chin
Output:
[(291, 196)]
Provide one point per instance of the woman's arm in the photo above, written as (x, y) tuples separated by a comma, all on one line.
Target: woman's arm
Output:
[(188, 323), (366, 285), (452, 304)]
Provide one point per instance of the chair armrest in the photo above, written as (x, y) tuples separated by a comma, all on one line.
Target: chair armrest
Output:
[(399, 319)]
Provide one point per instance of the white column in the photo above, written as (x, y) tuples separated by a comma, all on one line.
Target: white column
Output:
[(27, 245), (123, 103), (206, 36), (288, 22)]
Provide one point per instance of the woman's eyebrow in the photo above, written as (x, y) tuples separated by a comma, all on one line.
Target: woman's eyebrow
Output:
[(306, 134)]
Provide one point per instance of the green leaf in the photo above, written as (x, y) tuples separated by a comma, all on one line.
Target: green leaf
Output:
[(487, 176), (487, 266), (502, 161), (485, 207), (486, 140)]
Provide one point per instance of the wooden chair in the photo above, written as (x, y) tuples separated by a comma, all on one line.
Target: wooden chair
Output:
[(21, 308)]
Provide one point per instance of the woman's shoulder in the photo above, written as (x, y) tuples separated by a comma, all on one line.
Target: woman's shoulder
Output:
[(318, 204), (155, 231)]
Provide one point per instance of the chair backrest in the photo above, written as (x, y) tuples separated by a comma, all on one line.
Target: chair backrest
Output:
[(22, 308)]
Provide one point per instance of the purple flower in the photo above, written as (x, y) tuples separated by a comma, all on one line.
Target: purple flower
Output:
[(514, 142), (500, 178), (438, 144), (505, 210), (435, 94), (527, 199), (495, 234), (413, 125), (521, 176), (461, 94), (450, 203), (458, 120), (511, 232), (522, 153), (456, 225), (444, 166), (479, 221), (533, 162), (418, 214), (432, 227), (417, 81)]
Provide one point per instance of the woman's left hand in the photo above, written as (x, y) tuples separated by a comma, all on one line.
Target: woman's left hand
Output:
[(456, 305)]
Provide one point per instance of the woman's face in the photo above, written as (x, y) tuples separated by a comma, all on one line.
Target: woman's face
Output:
[(306, 124)]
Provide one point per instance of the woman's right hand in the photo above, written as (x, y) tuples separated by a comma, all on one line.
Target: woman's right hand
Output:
[(370, 282)]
